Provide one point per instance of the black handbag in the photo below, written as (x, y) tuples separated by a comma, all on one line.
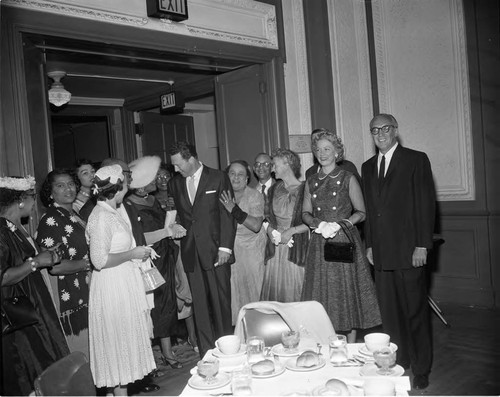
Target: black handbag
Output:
[(17, 312), (339, 252)]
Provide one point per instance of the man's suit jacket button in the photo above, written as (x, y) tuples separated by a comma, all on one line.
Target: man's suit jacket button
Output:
[(378, 214), (193, 221)]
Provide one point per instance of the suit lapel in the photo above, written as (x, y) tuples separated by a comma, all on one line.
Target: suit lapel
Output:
[(395, 160), (201, 185)]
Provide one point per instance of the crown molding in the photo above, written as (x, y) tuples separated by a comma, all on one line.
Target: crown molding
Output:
[(235, 21)]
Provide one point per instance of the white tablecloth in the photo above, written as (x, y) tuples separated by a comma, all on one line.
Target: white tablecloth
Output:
[(294, 381)]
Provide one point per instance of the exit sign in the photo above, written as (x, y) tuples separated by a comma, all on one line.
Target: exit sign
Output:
[(175, 10), (171, 103)]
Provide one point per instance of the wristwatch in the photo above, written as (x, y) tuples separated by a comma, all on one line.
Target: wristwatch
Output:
[(33, 264)]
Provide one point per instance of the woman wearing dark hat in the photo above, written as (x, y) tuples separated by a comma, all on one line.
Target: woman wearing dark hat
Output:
[(29, 350), (164, 313)]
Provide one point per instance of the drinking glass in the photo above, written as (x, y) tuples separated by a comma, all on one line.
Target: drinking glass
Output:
[(208, 369), (290, 340), (338, 349), (241, 382), (255, 349), (385, 359)]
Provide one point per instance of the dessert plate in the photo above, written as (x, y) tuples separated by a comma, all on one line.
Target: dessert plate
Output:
[(280, 350), (217, 353), (364, 350), (279, 368), (197, 382), (371, 370), (291, 364), (324, 391)]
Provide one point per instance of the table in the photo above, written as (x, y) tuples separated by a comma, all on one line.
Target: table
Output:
[(293, 381)]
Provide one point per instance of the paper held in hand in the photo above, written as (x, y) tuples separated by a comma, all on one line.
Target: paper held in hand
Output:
[(169, 220)]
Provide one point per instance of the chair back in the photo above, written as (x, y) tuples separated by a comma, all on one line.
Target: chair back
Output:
[(269, 326), (69, 376)]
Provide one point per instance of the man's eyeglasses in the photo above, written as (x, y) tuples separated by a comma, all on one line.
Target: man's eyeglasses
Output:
[(267, 164), (160, 177), (385, 129)]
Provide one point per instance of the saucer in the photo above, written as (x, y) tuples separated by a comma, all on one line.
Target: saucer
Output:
[(291, 364), (217, 353), (197, 382), (371, 370), (364, 350), (324, 391), (280, 350), (279, 368)]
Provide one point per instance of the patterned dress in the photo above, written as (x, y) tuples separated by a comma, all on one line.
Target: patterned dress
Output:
[(283, 279), (26, 353), (247, 273), (58, 225), (119, 319), (346, 290)]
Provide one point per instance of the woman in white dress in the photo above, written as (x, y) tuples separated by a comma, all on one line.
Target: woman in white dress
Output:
[(119, 321)]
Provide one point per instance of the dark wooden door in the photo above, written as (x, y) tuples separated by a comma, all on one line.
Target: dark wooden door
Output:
[(160, 132)]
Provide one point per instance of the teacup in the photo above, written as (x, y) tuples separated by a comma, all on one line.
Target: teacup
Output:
[(229, 344), (376, 341), (379, 387)]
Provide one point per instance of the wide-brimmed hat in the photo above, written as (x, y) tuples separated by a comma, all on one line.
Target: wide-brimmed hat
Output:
[(144, 171)]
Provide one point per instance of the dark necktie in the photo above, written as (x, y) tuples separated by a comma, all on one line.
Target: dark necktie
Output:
[(381, 173), (263, 189)]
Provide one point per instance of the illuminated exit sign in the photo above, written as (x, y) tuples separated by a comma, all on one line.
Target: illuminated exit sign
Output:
[(175, 10), (171, 103)]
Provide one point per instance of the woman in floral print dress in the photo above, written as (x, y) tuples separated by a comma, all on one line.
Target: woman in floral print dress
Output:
[(60, 225)]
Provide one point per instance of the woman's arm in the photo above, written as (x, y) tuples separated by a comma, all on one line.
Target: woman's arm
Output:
[(155, 236), (68, 266), (251, 222), (358, 203), (15, 274)]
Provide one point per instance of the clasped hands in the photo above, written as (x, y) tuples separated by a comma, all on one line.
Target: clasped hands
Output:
[(178, 231), (327, 229), (281, 238)]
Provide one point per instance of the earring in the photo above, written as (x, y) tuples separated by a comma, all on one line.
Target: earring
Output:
[(21, 205), (51, 197)]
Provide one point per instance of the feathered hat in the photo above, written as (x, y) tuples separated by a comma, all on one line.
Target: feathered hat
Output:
[(144, 171)]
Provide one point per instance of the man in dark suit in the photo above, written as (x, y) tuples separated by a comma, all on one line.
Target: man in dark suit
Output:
[(343, 165), (207, 247), (262, 168), (400, 204)]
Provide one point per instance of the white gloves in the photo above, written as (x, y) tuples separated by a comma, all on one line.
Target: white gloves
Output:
[(277, 238), (327, 229)]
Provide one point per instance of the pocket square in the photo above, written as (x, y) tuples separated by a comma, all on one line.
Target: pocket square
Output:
[(210, 191)]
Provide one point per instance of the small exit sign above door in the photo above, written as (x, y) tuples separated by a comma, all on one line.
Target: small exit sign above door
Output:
[(175, 10)]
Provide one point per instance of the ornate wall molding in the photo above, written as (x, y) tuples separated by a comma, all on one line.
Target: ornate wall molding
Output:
[(351, 77), (422, 77), (296, 78), (237, 21), (77, 11)]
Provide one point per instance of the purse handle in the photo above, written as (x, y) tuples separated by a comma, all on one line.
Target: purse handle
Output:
[(341, 224)]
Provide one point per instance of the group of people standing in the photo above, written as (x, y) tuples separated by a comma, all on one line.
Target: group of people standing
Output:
[(230, 244)]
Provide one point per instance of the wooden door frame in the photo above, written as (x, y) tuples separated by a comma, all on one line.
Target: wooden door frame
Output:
[(16, 22)]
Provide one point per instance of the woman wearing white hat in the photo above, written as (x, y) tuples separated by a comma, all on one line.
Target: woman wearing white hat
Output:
[(164, 313)]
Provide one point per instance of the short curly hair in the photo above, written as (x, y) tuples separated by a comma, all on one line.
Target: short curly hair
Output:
[(244, 164), (291, 157), (335, 141), (184, 149), (46, 189)]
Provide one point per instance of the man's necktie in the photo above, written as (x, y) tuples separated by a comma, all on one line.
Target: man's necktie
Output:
[(191, 189), (381, 173), (263, 189)]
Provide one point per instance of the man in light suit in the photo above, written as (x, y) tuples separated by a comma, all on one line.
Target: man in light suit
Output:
[(207, 247), (400, 204)]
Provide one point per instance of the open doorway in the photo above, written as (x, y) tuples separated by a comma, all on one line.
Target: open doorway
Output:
[(79, 137)]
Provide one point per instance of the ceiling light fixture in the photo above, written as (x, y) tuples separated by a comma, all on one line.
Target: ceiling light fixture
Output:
[(58, 96)]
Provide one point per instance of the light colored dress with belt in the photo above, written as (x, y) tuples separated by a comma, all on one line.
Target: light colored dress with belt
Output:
[(247, 273), (119, 319)]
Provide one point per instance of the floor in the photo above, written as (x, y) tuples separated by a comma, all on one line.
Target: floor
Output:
[(466, 356)]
